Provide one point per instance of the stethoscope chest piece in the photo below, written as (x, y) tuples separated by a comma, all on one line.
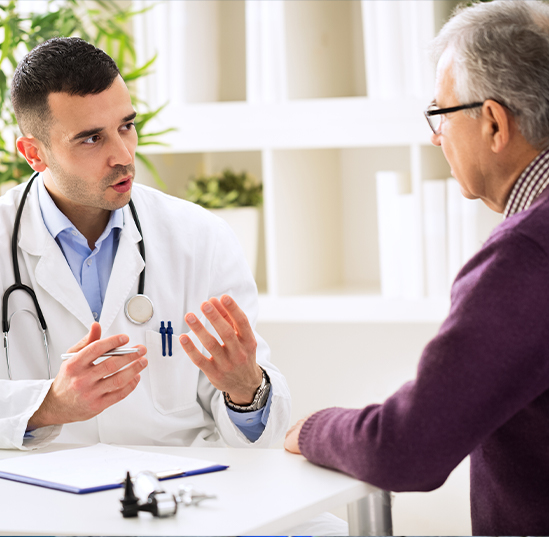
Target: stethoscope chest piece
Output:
[(139, 309)]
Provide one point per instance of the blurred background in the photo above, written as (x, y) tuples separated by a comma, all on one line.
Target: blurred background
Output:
[(301, 123)]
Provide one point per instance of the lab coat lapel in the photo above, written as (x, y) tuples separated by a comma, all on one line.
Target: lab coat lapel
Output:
[(52, 271), (127, 266)]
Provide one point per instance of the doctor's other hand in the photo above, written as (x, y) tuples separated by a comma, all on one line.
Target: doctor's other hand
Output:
[(232, 367), (81, 390), (291, 443)]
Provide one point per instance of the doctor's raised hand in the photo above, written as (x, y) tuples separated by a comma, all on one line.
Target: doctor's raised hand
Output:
[(81, 390), (232, 367)]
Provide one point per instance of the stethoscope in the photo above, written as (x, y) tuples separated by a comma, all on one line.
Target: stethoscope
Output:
[(138, 309)]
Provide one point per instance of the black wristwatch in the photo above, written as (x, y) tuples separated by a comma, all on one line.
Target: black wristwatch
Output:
[(260, 397)]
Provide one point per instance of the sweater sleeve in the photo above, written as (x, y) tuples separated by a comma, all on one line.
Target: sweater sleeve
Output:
[(488, 361)]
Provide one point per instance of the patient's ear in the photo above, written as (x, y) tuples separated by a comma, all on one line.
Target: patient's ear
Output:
[(496, 125), (33, 150)]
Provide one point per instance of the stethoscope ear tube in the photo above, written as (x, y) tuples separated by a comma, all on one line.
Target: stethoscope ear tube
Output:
[(17, 275), (16, 225)]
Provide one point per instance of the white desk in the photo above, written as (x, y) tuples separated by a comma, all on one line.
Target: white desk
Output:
[(264, 492)]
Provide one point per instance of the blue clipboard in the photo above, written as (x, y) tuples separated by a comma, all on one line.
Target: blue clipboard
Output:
[(75, 490)]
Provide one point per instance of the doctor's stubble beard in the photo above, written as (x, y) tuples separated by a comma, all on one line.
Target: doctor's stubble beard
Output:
[(79, 191)]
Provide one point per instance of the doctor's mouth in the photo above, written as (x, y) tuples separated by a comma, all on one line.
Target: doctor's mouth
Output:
[(124, 185)]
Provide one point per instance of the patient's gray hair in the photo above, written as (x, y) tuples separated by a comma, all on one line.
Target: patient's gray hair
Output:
[(501, 51)]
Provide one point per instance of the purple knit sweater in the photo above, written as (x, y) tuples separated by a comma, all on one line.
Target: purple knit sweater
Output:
[(482, 388)]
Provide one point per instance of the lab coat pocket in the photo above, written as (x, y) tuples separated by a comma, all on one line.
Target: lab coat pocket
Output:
[(174, 379)]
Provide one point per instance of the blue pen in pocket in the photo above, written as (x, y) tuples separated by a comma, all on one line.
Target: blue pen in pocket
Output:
[(169, 333), (163, 334)]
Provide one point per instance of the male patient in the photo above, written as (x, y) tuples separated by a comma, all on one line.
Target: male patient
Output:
[(482, 386)]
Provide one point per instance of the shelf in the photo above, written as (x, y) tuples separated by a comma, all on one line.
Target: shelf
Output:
[(274, 51), (355, 308), (344, 122), (313, 98)]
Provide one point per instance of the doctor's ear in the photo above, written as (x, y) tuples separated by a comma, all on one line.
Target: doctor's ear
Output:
[(32, 149)]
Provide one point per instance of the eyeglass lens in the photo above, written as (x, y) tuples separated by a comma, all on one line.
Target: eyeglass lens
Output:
[(435, 121)]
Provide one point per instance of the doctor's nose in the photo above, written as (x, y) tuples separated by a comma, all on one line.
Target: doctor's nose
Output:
[(121, 153)]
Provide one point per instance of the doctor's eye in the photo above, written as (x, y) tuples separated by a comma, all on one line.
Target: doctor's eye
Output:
[(129, 126), (91, 140)]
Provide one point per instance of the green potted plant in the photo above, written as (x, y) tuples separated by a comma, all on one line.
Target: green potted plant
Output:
[(235, 197)]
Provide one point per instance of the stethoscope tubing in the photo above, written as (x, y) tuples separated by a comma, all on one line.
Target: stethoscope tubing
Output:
[(19, 286), (17, 275)]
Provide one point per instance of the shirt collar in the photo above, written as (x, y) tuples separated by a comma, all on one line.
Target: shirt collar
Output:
[(56, 222), (530, 184)]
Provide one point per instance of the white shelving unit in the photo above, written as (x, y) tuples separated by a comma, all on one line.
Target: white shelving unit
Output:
[(313, 98)]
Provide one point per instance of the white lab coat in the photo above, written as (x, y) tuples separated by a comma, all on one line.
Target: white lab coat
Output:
[(191, 256)]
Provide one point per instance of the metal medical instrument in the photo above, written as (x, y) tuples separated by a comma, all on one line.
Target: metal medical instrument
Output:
[(144, 493), (139, 308)]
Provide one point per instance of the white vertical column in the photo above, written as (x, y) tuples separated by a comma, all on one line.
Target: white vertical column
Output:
[(163, 65), (416, 178), (396, 36), (410, 38), (275, 86), (384, 48), (253, 51), (177, 44), (417, 22), (265, 51), (389, 186), (144, 48), (434, 226), (155, 88), (269, 212)]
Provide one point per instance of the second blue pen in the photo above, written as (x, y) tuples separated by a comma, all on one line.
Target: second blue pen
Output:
[(169, 332)]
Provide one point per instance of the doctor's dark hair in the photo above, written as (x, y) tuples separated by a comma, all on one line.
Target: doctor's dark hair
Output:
[(62, 64), (500, 51)]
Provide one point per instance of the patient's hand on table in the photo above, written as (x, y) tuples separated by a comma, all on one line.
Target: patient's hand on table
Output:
[(81, 390), (291, 443)]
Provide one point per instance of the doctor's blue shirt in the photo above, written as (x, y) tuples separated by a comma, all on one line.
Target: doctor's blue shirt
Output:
[(92, 270)]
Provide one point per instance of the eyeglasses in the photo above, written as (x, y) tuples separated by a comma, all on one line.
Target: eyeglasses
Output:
[(434, 114)]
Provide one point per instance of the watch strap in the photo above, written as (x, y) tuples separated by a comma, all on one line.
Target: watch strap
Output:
[(259, 400)]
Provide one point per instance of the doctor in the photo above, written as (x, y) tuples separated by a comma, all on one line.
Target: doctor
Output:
[(78, 249)]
